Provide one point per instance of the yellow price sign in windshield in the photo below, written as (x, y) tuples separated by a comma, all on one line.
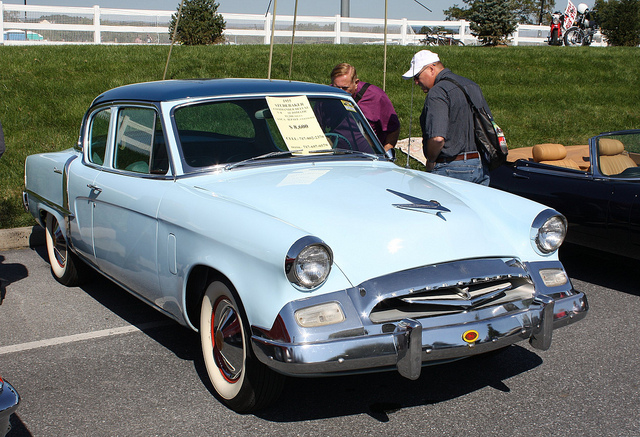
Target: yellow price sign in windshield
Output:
[(298, 124)]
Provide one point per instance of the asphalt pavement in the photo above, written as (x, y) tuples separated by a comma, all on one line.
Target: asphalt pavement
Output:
[(93, 360)]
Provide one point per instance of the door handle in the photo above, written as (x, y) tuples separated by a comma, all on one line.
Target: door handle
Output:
[(520, 176), (94, 188)]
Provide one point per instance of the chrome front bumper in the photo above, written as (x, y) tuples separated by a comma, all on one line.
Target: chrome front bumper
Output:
[(407, 345)]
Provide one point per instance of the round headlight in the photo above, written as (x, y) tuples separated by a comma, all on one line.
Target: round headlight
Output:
[(308, 263), (548, 231)]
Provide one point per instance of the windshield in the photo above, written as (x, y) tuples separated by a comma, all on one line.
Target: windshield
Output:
[(225, 132), (618, 154)]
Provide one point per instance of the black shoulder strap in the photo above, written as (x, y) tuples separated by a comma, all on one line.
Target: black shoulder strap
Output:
[(361, 92), (473, 106)]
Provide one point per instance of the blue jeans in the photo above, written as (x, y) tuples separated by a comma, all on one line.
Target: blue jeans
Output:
[(472, 170)]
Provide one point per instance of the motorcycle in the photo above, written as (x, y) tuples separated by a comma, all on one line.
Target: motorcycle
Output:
[(555, 33), (583, 28)]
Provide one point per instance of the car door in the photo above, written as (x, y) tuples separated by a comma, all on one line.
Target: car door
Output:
[(82, 175), (127, 194), (622, 178)]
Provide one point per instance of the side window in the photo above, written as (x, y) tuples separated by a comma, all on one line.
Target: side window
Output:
[(98, 136), (140, 145)]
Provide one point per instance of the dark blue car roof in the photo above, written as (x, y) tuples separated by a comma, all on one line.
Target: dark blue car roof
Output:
[(168, 90)]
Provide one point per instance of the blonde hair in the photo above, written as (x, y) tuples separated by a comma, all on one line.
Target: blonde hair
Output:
[(342, 69)]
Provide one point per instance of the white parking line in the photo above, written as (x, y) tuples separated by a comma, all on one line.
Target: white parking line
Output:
[(81, 337)]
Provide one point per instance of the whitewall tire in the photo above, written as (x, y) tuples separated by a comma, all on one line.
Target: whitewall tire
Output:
[(241, 381)]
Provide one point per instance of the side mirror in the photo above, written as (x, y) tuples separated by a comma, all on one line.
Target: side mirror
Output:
[(391, 154)]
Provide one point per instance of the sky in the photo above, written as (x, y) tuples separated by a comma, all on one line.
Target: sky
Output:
[(410, 9)]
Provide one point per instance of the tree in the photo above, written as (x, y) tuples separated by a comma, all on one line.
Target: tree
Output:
[(199, 24), (533, 11), (526, 11), (455, 12), (492, 21), (619, 21)]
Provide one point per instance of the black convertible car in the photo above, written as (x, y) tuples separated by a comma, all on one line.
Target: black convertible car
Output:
[(596, 187)]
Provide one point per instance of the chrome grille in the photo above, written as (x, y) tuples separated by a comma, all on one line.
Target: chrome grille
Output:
[(459, 287)]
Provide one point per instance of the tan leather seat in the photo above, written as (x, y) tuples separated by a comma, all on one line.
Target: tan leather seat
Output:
[(553, 154), (612, 158)]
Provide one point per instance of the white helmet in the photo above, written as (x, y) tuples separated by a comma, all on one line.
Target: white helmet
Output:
[(583, 8)]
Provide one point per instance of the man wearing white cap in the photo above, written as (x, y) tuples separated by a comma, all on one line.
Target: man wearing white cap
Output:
[(448, 140)]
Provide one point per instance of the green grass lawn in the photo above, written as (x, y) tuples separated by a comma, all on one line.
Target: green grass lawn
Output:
[(537, 94)]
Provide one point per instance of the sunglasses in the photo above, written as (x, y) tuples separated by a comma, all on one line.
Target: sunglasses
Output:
[(344, 88), (417, 76)]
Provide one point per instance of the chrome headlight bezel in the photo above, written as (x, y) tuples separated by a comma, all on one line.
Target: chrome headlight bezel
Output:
[(306, 251), (548, 231)]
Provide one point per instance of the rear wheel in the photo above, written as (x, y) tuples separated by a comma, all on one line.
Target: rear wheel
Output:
[(66, 267), (243, 382), (573, 37)]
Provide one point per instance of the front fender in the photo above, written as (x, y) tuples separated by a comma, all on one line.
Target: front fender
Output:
[(235, 240)]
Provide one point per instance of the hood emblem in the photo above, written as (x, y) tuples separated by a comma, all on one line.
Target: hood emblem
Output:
[(420, 205)]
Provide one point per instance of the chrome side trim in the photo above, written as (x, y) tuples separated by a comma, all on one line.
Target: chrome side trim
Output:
[(65, 184), (64, 212)]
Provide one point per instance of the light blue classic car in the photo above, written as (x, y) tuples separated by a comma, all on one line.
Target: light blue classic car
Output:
[(266, 216)]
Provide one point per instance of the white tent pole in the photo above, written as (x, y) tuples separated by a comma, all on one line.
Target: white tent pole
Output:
[(293, 37), (384, 67), (173, 40), (273, 27)]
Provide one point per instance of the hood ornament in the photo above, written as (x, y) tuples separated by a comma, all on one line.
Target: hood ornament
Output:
[(420, 205)]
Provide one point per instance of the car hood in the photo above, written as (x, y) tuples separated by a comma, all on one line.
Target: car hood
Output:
[(379, 218)]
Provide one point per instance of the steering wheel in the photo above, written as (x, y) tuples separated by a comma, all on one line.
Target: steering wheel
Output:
[(337, 138)]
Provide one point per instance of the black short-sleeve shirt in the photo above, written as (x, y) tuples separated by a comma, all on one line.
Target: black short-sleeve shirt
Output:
[(446, 113)]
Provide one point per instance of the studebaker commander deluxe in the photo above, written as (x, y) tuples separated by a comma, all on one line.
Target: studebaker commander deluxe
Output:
[(266, 216)]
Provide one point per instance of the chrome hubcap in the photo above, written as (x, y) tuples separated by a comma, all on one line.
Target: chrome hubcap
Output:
[(59, 244), (228, 347)]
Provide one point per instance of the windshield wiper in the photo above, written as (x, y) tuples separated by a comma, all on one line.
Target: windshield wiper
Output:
[(257, 158), (346, 152)]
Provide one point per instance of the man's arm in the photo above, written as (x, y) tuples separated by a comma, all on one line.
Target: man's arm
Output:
[(391, 139), (432, 150)]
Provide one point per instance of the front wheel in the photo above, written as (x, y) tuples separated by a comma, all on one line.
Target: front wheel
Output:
[(243, 382), (554, 39), (66, 267), (573, 37)]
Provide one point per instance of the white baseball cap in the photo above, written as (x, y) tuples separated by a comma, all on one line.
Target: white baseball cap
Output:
[(419, 61)]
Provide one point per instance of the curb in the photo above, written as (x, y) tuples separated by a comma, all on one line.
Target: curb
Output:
[(21, 238)]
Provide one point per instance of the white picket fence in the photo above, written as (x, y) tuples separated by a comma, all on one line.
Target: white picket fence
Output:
[(27, 25)]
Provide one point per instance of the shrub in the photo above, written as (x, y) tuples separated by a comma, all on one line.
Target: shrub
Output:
[(492, 21), (199, 24)]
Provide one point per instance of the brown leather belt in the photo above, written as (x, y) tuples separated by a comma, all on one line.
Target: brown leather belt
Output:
[(460, 157)]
